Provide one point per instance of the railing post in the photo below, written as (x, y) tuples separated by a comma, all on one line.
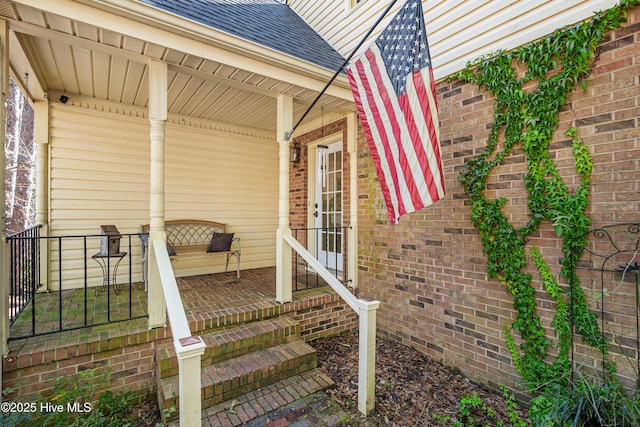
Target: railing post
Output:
[(367, 354), (366, 309), (189, 351)]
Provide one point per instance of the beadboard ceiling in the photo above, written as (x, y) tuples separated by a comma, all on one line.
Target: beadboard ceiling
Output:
[(53, 54)]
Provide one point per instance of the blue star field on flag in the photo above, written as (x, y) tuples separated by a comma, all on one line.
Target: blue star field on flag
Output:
[(403, 46)]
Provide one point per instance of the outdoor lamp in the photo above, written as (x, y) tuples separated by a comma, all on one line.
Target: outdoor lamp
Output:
[(295, 154)]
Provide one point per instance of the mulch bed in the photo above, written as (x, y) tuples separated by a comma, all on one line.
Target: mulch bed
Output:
[(410, 387)]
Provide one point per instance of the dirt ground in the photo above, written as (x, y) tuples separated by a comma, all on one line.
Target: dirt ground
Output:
[(410, 387), (146, 414)]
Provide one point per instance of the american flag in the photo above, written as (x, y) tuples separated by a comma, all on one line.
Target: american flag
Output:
[(393, 88)]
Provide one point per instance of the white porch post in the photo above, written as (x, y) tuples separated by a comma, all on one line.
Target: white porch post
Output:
[(189, 352), (41, 138), (283, 250), (367, 354), (157, 118), (4, 257), (352, 241)]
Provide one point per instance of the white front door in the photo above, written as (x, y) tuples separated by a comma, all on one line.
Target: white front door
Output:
[(328, 206)]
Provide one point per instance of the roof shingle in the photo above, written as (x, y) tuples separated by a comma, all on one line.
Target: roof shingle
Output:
[(266, 22)]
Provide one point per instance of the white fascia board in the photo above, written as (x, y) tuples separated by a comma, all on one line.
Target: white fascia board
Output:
[(22, 71)]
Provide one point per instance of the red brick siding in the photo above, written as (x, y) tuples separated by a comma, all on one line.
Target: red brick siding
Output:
[(429, 270), (325, 316), (130, 368), (298, 182)]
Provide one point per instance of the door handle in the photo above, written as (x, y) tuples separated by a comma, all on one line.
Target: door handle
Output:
[(315, 214)]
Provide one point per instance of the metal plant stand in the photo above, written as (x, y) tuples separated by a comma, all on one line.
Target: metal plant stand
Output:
[(104, 260)]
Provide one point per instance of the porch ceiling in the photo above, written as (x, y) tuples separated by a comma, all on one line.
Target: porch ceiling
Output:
[(235, 82)]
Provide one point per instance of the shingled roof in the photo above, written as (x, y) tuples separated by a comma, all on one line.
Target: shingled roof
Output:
[(267, 22)]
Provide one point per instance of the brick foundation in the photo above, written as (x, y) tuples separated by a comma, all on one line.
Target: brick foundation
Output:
[(127, 350), (323, 316), (129, 362)]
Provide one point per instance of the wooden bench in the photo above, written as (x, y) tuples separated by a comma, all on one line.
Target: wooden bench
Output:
[(193, 237)]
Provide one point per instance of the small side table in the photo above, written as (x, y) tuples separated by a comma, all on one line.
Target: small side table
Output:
[(144, 253), (104, 260)]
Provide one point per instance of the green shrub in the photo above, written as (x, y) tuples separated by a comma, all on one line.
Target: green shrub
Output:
[(474, 412), (585, 404), (74, 395)]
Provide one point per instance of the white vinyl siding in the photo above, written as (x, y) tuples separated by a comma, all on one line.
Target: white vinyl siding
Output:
[(459, 31), (225, 178), (99, 174)]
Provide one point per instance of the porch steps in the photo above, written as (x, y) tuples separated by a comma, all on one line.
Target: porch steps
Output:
[(266, 354), (229, 343)]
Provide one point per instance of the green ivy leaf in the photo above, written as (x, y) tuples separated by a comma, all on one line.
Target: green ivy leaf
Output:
[(527, 119)]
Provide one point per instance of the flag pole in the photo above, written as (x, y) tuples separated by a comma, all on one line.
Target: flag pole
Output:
[(287, 135)]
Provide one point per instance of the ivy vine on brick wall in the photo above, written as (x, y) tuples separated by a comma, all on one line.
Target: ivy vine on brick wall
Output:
[(526, 115)]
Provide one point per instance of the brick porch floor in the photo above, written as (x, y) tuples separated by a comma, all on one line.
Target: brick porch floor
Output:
[(128, 348), (208, 300)]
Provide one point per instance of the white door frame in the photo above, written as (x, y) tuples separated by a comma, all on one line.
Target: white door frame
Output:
[(335, 138)]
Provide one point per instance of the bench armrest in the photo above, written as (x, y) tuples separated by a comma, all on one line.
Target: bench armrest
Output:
[(237, 240)]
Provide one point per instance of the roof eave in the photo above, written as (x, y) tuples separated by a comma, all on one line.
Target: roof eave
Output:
[(304, 72)]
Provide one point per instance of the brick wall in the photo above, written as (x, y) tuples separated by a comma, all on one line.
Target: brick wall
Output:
[(322, 316), (299, 183), (326, 315), (128, 360), (429, 270), (298, 186)]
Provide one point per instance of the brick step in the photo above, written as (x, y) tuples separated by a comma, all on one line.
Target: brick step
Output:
[(229, 343), (255, 407), (219, 319), (249, 372)]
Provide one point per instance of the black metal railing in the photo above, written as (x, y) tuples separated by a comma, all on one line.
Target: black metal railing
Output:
[(24, 269), (87, 286), (329, 245), (607, 269)]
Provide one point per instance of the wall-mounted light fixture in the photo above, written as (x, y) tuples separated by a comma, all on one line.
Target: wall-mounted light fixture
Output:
[(64, 98), (295, 154)]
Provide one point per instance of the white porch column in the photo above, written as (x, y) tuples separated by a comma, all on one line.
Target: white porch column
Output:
[(41, 139), (352, 241), (157, 118), (4, 257), (367, 355), (283, 250)]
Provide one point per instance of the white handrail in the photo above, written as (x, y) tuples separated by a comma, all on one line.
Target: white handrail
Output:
[(175, 309), (366, 310), (189, 349), (323, 272)]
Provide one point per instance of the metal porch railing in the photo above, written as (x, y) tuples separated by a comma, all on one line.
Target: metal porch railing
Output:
[(24, 269), (608, 270), (85, 288), (331, 243)]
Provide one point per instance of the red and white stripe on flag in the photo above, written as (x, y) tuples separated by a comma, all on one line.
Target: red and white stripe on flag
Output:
[(401, 129)]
